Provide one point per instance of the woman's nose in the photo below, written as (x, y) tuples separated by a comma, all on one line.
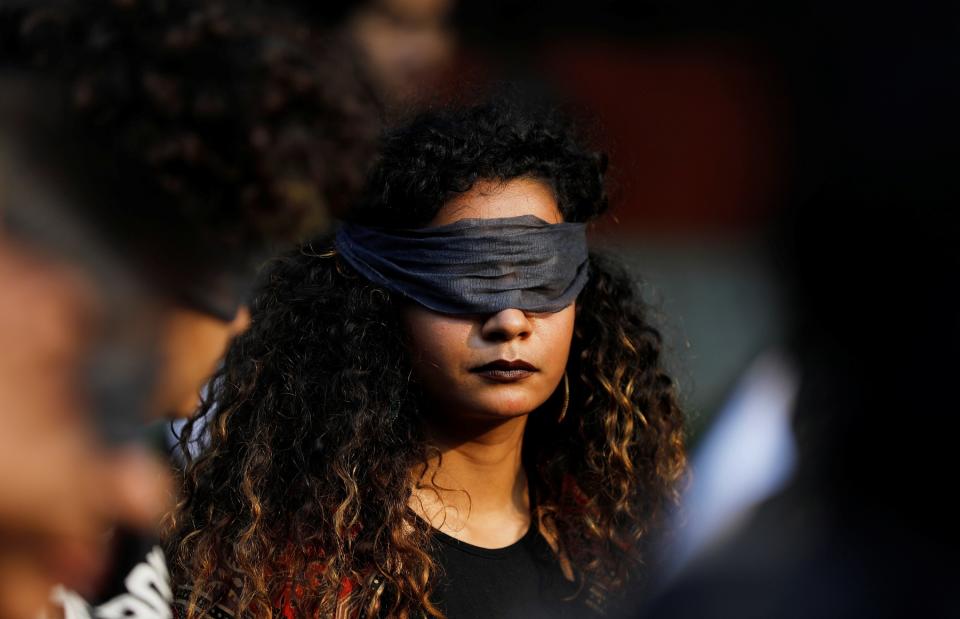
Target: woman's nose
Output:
[(506, 325)]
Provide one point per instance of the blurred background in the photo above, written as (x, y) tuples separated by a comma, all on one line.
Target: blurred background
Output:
[(782, 180)]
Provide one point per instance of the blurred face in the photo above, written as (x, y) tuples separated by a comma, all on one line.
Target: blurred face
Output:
[(499, 365), (406, 44), (192, 344), (60, 489)]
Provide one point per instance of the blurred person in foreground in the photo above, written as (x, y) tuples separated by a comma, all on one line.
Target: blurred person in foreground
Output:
[(870, 249), (57, 488), (190, 139), (74, 364)]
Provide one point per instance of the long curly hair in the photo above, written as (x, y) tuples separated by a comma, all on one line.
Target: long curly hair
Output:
[(313, 426)]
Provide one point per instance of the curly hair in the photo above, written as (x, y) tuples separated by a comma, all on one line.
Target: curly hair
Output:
[(314, 423), (198, 133)]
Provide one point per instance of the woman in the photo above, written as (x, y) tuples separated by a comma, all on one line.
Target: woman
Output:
[(450, 410)]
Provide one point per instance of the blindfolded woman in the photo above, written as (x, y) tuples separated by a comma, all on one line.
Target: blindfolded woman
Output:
[(451, 409)]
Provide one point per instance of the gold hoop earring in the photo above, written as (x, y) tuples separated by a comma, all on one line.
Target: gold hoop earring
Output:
[(566, 398)]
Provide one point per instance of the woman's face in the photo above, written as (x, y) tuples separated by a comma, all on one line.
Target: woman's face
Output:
[(495, 365)]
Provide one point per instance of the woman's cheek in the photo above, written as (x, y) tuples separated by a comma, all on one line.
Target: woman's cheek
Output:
[(559, 335), (437, 342)]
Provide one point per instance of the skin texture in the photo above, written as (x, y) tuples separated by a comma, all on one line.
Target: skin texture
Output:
[(477, 490)]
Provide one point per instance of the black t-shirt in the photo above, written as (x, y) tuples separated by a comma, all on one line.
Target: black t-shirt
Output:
[(523, 580)]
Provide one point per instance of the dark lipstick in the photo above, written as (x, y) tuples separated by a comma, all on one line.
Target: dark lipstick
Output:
[(503, 371)]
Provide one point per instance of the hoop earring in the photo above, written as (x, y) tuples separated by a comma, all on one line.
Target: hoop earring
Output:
[(566, 398)]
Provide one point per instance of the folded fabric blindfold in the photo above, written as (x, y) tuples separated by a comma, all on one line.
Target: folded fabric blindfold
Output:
[(474, 266)]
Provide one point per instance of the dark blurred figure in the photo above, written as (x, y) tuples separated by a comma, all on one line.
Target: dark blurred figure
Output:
[(197, 137), (76, 350), (57, 489), (405, 46), (75, 367), (871, 255), (160, 152)]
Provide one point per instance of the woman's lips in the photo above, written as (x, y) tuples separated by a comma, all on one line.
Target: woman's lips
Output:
[(503, 371)]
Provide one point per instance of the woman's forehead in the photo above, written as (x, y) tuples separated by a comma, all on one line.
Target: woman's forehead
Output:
[(490, 199)]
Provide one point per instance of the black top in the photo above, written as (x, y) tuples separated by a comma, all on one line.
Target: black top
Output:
[(522, 580)]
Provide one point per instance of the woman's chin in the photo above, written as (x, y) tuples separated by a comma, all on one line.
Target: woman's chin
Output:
[(490, 402), (507, 404)]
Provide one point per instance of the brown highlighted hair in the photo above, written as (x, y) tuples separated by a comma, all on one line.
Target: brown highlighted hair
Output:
[(313, 425)]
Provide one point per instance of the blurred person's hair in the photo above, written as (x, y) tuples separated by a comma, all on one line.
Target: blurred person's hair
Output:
[(314, 423), (194, 136)]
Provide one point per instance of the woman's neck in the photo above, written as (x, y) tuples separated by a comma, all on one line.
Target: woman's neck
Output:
[(476, 491)]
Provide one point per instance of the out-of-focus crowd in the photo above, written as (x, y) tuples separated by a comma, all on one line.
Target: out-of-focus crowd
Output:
[(152, 155)]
